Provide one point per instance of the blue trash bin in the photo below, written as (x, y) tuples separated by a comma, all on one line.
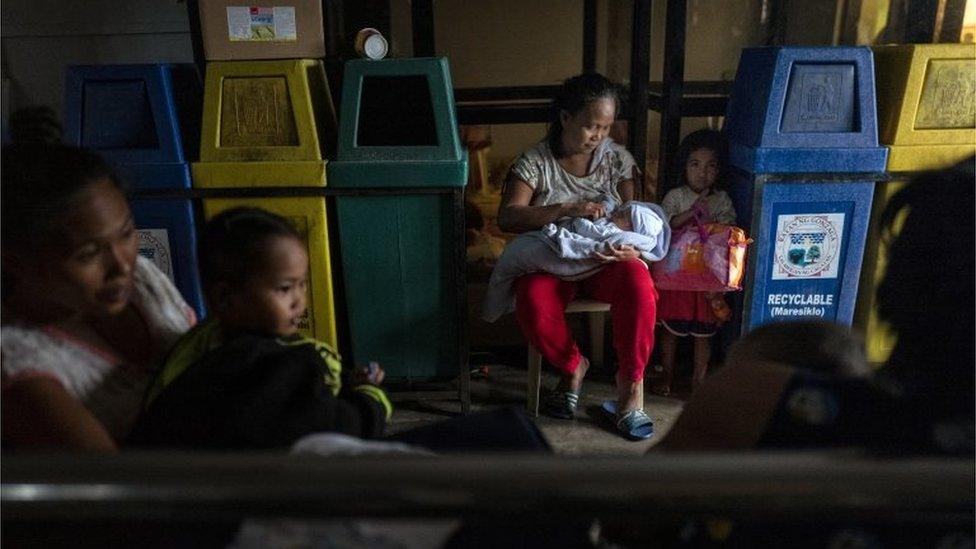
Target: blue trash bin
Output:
[(803, 145), (136, 116)]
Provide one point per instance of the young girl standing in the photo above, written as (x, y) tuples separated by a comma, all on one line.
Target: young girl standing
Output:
[(702, 155)]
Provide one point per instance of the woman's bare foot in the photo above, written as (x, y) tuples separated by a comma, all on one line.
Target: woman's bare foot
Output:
[(630, 395), (575, 382)]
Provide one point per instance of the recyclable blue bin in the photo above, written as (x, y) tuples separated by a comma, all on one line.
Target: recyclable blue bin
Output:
[(803, 145), (136, 116), (167, 227)]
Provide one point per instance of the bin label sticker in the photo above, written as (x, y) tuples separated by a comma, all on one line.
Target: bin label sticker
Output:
[(800, 305), (804, 252), (154, 246), (261, 24), (807, 246)]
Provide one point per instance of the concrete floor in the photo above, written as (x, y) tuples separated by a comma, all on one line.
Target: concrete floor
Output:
[(588, 434)]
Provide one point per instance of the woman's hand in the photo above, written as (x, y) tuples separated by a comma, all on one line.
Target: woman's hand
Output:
[(584, 208), (622, 253)]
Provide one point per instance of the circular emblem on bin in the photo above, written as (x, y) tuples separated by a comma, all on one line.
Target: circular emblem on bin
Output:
[(807, 245), (154, 246)]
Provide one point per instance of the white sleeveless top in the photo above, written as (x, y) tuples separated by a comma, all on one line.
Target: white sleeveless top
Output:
[(111, 389)]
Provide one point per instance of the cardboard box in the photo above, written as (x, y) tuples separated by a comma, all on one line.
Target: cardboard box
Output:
[(262, 29)]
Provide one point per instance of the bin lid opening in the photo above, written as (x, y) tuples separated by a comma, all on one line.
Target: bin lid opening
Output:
[(396, 111), (130, 125), (397, 126)]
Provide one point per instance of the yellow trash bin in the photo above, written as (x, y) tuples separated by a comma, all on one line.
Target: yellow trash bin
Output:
[(308, 216), (927, 118), (275, 116), (272, 124)]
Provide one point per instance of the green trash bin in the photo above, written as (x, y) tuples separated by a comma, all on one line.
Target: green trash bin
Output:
[(399, 179)]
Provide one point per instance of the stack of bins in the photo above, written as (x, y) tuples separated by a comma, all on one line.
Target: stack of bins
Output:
[(137, 117), (805, 157), (927, 118), (399, 174), (268, 127)]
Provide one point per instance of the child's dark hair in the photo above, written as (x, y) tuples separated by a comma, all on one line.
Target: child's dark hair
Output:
[(40, 180), (712, 140), (234, 242), (927, 294), (574, 95)]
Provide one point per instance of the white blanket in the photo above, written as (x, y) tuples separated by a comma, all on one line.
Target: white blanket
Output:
[(345, 533), (566, 249)]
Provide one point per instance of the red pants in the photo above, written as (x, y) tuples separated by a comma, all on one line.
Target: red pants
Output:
[(541, 299)]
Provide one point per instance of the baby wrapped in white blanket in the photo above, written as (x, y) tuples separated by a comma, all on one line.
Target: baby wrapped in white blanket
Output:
[(572, 249)]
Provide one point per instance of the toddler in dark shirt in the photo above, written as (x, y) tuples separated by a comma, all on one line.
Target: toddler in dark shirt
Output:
[(246, 377)]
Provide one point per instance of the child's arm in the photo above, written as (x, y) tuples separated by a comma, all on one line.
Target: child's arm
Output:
[(39, 413), (682, 219), (685, 217), (723, 212), (292, 399)]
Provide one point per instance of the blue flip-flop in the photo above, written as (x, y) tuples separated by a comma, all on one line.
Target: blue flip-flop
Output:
[(634, 425)]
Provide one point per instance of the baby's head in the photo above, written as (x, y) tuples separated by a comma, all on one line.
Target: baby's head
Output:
[(813, 345), (254, 269), (637, 217), (621, 218)]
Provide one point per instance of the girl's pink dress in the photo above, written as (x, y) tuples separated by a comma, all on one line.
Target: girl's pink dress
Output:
[(686, 313)]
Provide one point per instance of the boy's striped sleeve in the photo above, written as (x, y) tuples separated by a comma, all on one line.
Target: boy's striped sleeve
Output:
[(378, 395)]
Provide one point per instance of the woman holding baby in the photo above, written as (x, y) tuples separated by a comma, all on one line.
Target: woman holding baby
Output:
[(563, 176)]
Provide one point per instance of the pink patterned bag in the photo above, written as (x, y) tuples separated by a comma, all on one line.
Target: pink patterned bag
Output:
[(709, 257)]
